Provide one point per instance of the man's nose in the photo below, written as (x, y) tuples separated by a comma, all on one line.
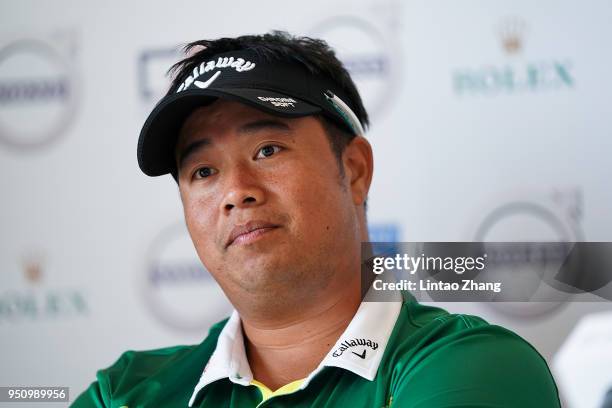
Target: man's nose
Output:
[(242, 189)]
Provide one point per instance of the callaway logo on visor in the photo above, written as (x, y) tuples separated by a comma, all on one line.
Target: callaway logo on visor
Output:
[(239, 64)]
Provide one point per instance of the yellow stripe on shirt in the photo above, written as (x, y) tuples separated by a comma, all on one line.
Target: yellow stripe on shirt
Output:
[(267, 393)]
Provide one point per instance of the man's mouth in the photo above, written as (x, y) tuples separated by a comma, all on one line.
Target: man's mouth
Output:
[(249, 232)]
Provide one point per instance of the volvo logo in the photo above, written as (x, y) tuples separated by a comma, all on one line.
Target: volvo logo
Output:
[(177, 288), (37, 93), (369, 54)]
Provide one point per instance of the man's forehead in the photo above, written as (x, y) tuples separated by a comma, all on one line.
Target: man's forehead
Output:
[(220, 115)]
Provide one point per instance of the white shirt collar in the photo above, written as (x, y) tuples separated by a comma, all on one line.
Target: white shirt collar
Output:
[(359, 349)]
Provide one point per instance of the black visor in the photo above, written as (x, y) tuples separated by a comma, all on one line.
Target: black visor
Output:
[(279, 88)]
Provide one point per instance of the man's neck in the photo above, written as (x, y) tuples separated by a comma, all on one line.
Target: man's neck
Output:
[(280, 352)]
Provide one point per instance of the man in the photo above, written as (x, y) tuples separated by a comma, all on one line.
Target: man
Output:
[(264, 136)]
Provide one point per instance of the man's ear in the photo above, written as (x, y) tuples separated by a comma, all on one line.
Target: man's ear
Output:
[(359, 166)]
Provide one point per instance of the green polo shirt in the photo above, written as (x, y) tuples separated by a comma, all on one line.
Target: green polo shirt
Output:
[(392, 354)]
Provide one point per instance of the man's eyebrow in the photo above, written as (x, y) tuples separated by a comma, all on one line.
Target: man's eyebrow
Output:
[(190, 149), (251, 127), (264, 124)]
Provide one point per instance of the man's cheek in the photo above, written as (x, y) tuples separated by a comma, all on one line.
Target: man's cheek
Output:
[(198, 214), (202, 234)]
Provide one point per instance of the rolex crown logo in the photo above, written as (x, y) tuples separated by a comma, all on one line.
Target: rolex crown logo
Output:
[(32, 266), (511, 31)]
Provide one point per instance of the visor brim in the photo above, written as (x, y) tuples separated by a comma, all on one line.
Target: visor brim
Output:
[(160, 132)]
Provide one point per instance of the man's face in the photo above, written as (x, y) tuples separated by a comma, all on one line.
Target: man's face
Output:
[(264, 202)]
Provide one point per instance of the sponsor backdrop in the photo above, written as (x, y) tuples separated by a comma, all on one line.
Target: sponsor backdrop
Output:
[(490, 122)]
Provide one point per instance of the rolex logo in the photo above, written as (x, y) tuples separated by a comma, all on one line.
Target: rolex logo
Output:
[(511, 32)]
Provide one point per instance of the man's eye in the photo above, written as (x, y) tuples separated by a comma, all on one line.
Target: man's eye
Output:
[(267, 151), (204, 172)]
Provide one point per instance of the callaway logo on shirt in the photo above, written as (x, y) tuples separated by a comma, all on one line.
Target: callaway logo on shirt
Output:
[(346, 344)]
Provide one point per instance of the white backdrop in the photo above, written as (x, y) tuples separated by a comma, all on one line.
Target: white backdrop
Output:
[(475, 106)]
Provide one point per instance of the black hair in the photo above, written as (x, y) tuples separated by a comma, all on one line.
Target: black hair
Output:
[(314, 54)]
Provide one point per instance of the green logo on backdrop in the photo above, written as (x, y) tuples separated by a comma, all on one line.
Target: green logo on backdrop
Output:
[(38, 301), (40, 305), (516, 76), (509, 79)]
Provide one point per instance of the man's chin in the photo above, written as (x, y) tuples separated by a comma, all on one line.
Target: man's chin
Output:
[(261, 275)]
